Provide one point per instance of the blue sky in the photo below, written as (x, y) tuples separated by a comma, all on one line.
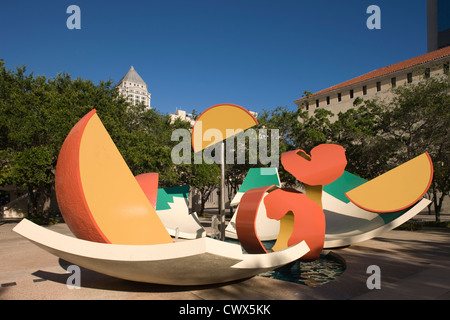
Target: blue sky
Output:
[(259, 54)]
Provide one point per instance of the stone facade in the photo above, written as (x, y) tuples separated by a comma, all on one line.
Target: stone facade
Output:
[(377, 84)]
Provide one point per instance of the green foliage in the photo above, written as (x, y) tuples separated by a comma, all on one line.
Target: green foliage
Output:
[(418, 120), (359, 131), (286, 121), (379, 136), (37, 113), (297, 130)]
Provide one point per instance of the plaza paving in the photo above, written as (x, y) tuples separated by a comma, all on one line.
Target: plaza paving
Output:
[(414, 265)]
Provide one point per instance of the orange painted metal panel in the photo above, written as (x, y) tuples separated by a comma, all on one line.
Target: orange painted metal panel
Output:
[(69, 191), (222, 120), (396, 189), (326, 163), (308, 222), (99, 197), (246, 217), (149, 184)]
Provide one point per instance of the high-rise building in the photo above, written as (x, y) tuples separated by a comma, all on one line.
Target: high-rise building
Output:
[(438, 24), (134, 88), (182, 115)]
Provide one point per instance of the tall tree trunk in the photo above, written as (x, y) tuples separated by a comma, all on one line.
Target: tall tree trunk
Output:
[(202, 206), (32, 203), (438, 206)]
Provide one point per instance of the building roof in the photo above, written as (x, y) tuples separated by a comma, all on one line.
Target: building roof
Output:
[(132, 76), (389, 69)]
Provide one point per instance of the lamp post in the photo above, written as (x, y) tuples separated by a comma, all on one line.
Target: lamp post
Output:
[(222, 192)]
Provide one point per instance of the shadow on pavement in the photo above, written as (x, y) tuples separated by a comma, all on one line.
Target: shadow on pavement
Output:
[(95, 280)]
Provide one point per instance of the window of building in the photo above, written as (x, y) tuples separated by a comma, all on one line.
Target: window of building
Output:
[(394, 82), (410, 77), (446, 67), (339, 97), (317, 103), (427, 73), (351, 94), (378, 86), (328, 100), (364, 90)]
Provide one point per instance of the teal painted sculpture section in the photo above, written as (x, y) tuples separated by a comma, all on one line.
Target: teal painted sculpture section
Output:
[(260, 177), (166, 195), (256, 178), (345, 183)]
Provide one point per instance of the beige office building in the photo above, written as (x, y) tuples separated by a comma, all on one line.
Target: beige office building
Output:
[(378, 83)]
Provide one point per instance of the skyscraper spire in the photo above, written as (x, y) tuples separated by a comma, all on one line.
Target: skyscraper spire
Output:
[(132, 76)]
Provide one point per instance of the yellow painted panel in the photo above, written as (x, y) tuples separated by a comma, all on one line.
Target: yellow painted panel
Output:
[(116, 201), (314, 193), (286, 229), (218, 119), (396, 189)]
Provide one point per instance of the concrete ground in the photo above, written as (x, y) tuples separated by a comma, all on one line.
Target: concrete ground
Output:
[(413, 265)]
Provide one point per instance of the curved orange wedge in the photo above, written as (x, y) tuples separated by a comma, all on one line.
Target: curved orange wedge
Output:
[(227, 119), (98, 196), (396, 189)]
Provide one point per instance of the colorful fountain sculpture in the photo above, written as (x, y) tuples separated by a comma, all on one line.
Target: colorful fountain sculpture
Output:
[(124, 225)]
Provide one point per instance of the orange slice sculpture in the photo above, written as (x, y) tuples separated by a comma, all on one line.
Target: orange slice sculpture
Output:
[(396, 189), (308, 221), (300, 218), (326, 163), (226, 119), (246, 219), (98, 195)]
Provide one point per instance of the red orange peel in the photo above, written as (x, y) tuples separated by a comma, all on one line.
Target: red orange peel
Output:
[(326, 163), (301, 216)]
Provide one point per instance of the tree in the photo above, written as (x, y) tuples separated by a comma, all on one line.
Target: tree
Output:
[(287, 122), (36, 114), (380, 135), (298, 130), (205, 178), (418, 120), (146, 145), (360, 131)]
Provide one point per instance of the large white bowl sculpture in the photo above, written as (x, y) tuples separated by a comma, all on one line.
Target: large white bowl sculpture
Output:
[(193, 262)]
